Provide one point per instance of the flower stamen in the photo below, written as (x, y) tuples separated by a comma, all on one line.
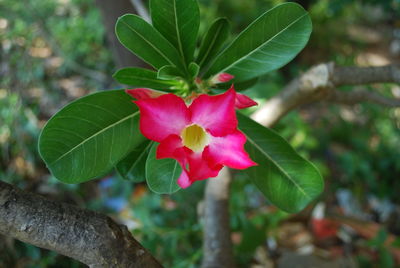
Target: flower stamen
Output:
[(195, 138)]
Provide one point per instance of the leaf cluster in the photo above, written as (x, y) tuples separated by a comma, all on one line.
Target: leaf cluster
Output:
[(96, 133)]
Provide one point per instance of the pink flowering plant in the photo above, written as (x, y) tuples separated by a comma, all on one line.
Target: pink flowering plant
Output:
[(179, 122)]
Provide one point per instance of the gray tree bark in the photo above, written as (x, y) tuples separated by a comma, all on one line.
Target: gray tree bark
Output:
[(89, 237), (217, 245), (111, 11)]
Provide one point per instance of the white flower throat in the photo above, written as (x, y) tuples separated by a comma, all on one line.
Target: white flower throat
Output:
[(195, 138)]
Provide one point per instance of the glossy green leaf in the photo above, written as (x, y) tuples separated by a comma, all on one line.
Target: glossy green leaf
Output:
[(132, 167), (168, 72), (193, 69), (213, 41), (89, 136), (240, 86), (178, 21), (138, 77), (146, 42), (285, 178), (162, 174), (270, 42)]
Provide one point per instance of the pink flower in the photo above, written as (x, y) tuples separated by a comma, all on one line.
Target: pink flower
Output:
[(241, 101), (222, 78), (203, 136)]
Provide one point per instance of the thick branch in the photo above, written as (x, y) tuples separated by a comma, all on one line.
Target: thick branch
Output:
[(361, 95), (365, 75), (89, 237), (217, 244), (111, 10), (319, 83)]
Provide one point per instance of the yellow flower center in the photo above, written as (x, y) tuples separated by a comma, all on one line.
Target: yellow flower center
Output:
[(195, 138)]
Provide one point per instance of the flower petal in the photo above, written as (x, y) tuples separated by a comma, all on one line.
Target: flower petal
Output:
[(162, 116), (222, 78), (171, 147), (183, 180), (242, 101), (199, 168), (215, 113), (143, 93), (228, 151)]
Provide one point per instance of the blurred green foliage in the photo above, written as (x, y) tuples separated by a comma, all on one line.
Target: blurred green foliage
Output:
[(54, 51)]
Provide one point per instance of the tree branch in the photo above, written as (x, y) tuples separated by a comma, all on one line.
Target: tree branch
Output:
[(89, 237), (111, 11), (217, 244), (348, 76), (361, 95), (318, 83)]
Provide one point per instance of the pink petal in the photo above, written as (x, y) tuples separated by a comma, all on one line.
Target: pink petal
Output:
[(171, 147), (183, 180), (223, 78), (162, 116), (228, 151), (196, 169), (143, 93), (199, 168), (242, 101), (215, 113)]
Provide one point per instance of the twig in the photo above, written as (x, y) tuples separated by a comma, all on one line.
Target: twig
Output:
[(89, 237)]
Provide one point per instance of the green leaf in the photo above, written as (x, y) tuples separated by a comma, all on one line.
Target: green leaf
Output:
[(270, 42), (285, 178), (132, 167), (162, 174), (386, 258), (168, 72), (178, 21), (239, 86), (214, 40), (89, 136), (379, 239), (146, 42), (138, 77), (193, 69)]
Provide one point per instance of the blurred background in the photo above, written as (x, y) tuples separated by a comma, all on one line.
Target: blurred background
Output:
[(54, 51)]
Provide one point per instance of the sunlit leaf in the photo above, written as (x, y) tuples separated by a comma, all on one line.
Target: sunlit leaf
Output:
[(89, 136), (285, 178), (138, 77), (168, 72), (270, 42), (146, 42), (178, 21), (213, 41)]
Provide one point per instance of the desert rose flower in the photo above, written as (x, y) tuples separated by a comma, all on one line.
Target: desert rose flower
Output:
[(202, 136), (241, 100), (222, 78)]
